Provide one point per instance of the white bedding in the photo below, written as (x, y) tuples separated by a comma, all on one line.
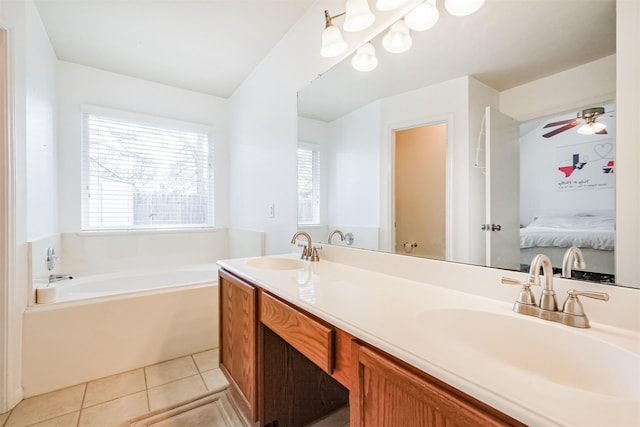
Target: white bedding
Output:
[(584, 231)]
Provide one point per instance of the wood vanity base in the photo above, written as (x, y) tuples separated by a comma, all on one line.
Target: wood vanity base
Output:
[(287, 367)]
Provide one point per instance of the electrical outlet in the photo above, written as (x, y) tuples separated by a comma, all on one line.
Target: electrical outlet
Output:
[(272, 210)]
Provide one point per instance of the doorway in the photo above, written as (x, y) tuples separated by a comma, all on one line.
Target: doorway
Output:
[(420, 188)]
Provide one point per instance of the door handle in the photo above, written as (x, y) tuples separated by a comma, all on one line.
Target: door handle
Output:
[(491, 227)]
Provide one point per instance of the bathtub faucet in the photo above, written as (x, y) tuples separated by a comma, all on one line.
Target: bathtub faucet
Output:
[(58, 277)]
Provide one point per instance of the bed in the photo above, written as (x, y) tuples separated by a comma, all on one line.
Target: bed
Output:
[(553, 234)]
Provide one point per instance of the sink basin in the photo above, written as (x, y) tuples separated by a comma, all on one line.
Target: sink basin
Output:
[(559, 354), (275, 263)]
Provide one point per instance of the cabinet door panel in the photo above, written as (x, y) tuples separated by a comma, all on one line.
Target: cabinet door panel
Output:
[(387, 393), (238, 340)]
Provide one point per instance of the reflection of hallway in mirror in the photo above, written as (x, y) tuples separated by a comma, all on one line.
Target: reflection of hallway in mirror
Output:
[(420, 191)]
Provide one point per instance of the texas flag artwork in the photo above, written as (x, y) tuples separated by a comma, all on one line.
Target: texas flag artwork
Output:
[(588, 165)]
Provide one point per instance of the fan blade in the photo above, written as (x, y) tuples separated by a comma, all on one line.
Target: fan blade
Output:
[(562, 129), (602, 132), (563, 122)]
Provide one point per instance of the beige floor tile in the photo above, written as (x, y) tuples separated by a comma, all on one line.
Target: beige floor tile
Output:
[(69, 420), (46, 406), (3, 418), (169, 371), (109, 388), (215, 379), (207, 360), (337, 418), (176, 392), (115, 412)]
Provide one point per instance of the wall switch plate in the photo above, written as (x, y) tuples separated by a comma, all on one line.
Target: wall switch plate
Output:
[(271, 210)]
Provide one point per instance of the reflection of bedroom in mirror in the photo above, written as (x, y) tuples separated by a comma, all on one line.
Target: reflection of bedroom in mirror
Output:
[(567, 187)]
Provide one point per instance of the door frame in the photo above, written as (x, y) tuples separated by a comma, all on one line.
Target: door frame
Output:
[(7, 222), (388, 179)]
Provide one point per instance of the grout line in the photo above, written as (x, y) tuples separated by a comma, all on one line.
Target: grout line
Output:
[(84, 396), (146, 387)]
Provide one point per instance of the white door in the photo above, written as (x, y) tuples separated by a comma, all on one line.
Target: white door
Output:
[(502, 219)]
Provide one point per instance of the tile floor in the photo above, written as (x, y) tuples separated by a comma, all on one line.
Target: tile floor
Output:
[(111, 401)]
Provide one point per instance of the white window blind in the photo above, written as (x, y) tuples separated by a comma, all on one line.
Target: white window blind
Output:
[(308, 185), (140, 173)]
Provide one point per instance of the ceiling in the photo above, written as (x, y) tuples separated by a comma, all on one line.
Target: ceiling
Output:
[(505, 44), (208, 46)]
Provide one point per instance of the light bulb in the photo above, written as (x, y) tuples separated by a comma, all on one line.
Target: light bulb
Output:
[(358, 16), (462, 7), (423, 17), (591, 128), (365, 58), (332, 42), (398, 39)]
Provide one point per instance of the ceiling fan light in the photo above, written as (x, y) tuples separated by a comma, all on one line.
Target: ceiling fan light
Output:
[(365, 58), (384, 5), (398, 39), (462, 7), (591, 128), (332, 42), (423, 17), (358, 16)]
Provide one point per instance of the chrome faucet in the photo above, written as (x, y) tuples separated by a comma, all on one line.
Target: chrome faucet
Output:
[(548, 299), (572, 254), (308, 251), (572, 313), (338, 232)]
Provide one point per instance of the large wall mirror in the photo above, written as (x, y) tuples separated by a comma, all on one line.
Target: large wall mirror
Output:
[(432, 155)]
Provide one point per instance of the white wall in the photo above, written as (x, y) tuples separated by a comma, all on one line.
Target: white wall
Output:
[(32, 92), (539, 173), (628, 149), (79, 85), (42, 181), (354, 168), (263, 125)]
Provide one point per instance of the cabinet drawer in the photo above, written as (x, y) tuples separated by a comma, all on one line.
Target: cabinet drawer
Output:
[(310, 337)]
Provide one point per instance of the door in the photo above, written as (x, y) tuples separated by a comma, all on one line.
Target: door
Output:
[(502, 190), (420, 191)]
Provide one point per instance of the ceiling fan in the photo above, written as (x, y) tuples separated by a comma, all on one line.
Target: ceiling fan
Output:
[(591, 124)]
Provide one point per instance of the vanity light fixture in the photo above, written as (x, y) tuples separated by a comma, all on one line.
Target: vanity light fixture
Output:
[(462, 7), (365, 58), (398, 39), (423, 17), (591, 128), (332, 42), (358, 16), (384, 5)]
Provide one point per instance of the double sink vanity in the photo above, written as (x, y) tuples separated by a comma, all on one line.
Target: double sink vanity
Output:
[(300, 339)]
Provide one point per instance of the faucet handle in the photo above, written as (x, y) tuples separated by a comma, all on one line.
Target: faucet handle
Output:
[(525, 296), (572, 305)]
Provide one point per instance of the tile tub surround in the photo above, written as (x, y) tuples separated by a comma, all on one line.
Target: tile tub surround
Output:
[(352, 293), (113, 400)]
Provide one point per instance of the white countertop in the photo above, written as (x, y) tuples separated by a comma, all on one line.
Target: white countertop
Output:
[(388, 312)]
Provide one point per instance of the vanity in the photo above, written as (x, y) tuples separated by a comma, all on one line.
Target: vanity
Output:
[(300, 339)]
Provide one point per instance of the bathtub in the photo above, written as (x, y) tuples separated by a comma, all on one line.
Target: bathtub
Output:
[(104, 324)]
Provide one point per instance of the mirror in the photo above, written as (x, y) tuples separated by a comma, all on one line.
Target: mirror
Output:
[(451, 74)]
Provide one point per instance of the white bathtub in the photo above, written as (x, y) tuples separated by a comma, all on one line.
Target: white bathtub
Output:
[(109, 323), (111, 284)]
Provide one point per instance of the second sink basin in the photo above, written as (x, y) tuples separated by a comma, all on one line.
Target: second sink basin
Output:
[(561, 355), (276, 263)]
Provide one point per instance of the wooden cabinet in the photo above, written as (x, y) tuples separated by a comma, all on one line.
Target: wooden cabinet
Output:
[(239, 340), (388, 392), (287, 367)]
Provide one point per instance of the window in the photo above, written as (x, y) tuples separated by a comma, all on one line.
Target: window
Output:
[(144, 173), (308, 184)]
